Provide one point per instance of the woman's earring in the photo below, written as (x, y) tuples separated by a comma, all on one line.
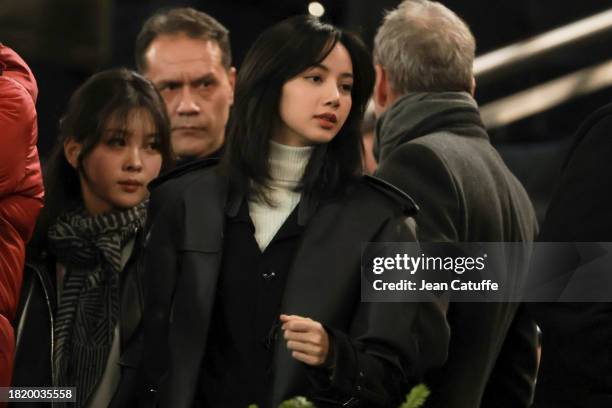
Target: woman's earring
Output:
[(75, 161)]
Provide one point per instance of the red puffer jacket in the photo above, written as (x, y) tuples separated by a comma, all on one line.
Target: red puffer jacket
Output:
[(21, 190)]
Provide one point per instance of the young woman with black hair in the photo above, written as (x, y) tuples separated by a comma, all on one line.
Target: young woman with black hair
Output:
[(114, 139), (255, 266)]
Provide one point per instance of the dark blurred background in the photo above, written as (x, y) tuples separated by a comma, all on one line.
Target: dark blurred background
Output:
[(65, 41)]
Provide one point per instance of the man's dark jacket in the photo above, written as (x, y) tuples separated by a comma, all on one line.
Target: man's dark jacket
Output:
[(435, 148), (183, 258), (576, 366)]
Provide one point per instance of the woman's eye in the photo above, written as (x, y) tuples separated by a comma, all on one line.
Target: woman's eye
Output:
[(153, 146), (115, 141), (314, 78), (348, 88)]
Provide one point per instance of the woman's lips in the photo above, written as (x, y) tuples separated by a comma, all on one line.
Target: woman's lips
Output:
[(188, 128), (326, 124), (327, 120), (130, 186)]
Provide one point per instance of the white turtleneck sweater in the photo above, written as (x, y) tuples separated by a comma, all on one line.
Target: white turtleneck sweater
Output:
[(287, 165)]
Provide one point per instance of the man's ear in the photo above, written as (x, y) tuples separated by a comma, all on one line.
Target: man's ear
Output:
[(231, 76), (381, 90), (473, 87), (72, 151)]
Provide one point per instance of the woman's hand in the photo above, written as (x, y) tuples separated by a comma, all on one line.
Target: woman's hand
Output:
[(306, 338)]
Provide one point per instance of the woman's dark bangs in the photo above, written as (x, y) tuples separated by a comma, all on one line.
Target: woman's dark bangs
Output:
[(117, 112), (314, 48), (118, 108), (332, 40)]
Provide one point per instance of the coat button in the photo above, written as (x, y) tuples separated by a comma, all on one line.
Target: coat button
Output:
[(269, 275)]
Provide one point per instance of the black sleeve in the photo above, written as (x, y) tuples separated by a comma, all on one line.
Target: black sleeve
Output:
[(160, 262), (512, 380), (389, 347), (576, 365)]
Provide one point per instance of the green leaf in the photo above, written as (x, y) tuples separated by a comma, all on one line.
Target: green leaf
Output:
[(252, 406), (297, 402), (417, 396)]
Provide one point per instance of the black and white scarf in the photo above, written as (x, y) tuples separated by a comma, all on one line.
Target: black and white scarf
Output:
[(90, 247)]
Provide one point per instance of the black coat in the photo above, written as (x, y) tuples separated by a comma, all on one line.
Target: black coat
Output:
[(576, 366), (435, 148), (35, 318), (183, 256)]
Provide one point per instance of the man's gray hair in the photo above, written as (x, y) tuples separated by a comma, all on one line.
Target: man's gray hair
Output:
[(425, 47)]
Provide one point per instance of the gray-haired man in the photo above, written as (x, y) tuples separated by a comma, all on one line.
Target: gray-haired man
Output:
[(432, 143)]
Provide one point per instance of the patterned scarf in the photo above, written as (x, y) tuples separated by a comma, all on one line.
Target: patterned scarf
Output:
[(90, 247)]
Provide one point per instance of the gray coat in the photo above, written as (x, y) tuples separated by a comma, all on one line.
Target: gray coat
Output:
[(435, 148)]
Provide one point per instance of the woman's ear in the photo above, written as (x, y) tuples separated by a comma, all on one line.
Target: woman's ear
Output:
[(72, 151)]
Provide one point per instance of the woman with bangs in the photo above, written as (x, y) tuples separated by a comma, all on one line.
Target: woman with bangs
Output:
[(254, 265), (82, 265)]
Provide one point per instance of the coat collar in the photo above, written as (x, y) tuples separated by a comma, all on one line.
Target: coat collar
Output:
[(417, 114), (306, 208)]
